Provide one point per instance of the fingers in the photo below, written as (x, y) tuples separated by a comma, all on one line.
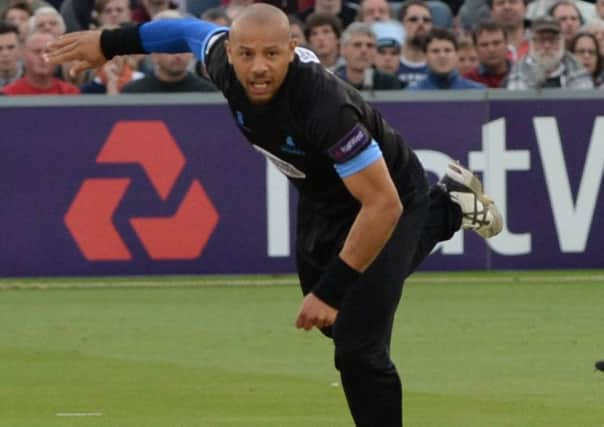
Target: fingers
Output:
[(64, 53), (307, 322), (79, 67)]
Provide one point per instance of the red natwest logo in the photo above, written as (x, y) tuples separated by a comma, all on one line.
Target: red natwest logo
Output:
[(90, 217)]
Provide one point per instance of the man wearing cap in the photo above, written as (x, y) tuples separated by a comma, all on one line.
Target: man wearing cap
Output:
[(548, 65), (389, 41)]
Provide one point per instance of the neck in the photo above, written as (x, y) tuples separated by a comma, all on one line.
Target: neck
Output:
[(9, 73), (169, 78), (516, 36), (329, 60), (38, 80), (354, 76), (412, 54)]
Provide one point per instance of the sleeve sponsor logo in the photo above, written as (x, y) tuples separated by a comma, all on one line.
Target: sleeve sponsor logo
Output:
[(353, 143)]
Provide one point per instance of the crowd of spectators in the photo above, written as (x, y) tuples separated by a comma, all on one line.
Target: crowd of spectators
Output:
[(373, 45)]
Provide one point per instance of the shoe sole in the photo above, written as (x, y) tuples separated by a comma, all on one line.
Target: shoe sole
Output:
[(464, 178)]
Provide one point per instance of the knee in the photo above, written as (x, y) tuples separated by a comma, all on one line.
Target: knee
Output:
[(363, 360)]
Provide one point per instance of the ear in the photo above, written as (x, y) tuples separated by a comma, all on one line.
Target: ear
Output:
[(227, 45)]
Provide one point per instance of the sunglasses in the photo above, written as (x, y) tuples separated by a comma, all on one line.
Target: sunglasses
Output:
[(425, 19)]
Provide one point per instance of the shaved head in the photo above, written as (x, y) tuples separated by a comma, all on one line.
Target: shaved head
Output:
[(260, 15), (260, 49)]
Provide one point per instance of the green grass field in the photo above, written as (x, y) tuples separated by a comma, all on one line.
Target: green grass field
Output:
[(474, 350)]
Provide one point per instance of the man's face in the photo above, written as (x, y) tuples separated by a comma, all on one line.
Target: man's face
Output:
[(359, 52), (172, 65), (509, 13), (115, 12), (19, 18), (547, 47), (9, 52), (260, 57), (323, 40), (49, 24), (388, 59), (569, 20), (491, 48), (375, 10), (417, 22), (35, 48), (441, 56)]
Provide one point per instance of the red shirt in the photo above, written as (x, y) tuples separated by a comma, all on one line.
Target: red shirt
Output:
[(23, 87), (480, 75)]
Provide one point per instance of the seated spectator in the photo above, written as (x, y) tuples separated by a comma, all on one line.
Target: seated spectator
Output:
[(510, 15), (345, 12), (466, 55), (389, 41), (597, 29), (323, 35), (18, 14), (586, 49), (441, 57), (569, 17), (112, 13), (112, 77), (374, 11), (494, 65), (297, 30), (416, 17), (47, 20), (11, 67), (170, 74), (548, 65), (170, 71), (359, 49), (539, 8), (38, 78)]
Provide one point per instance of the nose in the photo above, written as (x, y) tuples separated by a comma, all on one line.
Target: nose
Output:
[(258, 65)]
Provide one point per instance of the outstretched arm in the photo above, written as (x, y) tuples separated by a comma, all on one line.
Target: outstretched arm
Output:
[(93, 48)]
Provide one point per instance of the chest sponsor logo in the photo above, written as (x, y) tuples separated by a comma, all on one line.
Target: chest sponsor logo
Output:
[(285, 167), (291, 148)]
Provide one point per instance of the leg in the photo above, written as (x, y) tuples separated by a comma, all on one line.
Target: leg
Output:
[(363, 328)]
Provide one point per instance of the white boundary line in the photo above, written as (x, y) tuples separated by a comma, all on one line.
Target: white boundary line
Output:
[(109, 282), (79, 414)]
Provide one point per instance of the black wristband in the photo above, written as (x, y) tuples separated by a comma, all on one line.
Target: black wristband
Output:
[(335, 282), (121, 41)]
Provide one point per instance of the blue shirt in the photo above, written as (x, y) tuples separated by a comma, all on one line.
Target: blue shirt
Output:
[(452, 80)]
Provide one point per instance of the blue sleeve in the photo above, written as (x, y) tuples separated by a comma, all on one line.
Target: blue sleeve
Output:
[(362, 160), (178, 35)]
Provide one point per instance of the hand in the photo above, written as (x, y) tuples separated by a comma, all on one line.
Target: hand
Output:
[(314, 312), (83, 47)]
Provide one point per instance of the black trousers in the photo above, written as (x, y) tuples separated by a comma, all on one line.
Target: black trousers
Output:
[(363, 328)]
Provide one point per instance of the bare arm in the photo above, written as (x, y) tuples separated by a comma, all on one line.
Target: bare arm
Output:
[(380, 211)]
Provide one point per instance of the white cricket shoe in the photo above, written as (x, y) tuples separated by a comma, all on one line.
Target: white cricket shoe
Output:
[(479, 212)]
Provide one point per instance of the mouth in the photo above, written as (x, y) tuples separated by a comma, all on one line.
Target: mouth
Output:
[(259, 87)]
